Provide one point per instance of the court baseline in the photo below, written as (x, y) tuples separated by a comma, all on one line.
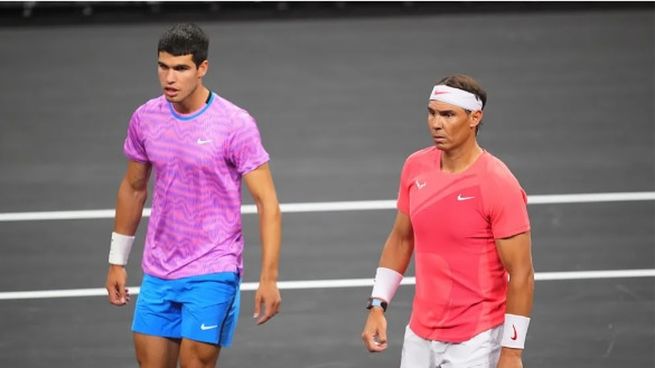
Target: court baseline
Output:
[(329, 284), (334, 206)]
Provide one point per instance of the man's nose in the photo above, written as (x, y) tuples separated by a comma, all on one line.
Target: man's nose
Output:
[(436, 122), (170, 76)]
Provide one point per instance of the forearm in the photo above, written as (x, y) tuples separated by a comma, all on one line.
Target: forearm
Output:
[(520, 292), (270, 227), (397, 252), (395, 258), (129, 208)]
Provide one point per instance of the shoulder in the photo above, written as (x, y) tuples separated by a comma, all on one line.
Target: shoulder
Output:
[(419, 161), (236, 116), (422, 155), (420, 158), (496, 173), (504, 200), (153, 106)]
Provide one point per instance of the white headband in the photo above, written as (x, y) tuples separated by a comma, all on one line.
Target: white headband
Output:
[(456, 96)]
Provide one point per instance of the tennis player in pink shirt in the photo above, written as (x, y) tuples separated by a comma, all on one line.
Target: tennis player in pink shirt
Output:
[(201, 147), (463, 215)]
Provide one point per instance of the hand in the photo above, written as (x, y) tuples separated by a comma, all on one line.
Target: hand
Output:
[(510, 358), (116, 281), (268, 295), (375, 331)]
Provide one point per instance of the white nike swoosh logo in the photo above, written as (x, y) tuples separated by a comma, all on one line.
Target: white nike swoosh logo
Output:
[(205, 328), (203, 141), (460, 198), (420, 185)]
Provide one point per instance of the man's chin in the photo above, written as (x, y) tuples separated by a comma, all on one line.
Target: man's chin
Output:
[(170, 99)]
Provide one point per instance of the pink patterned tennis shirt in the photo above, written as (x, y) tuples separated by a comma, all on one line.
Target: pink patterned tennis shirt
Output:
[(198, 161)]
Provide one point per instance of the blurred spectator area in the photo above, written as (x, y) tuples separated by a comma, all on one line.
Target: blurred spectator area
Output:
[(15, 13)]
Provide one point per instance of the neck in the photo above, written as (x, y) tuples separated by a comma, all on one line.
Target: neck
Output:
[(194, 101), (461, 158)]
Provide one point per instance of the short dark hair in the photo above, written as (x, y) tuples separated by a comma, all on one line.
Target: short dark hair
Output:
[(185, 39), (467, 83)]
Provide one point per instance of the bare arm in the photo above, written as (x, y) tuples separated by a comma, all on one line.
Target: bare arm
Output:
[(260, 185), (396, 255), (399, 247), (516, 254), (130, 200)]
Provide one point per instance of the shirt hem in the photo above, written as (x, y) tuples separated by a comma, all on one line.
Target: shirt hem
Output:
[(180, 275), (434, 335), (137, 159), (255, 165), (509, 234)]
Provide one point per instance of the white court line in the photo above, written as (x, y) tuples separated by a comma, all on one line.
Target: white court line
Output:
[(327, 284), (334, 206)]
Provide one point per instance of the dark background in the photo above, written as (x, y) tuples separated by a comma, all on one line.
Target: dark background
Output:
[(339, 92)]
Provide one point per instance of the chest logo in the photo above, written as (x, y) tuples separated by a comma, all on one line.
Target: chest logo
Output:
[(460, 198), (420, 185), (203, 141)]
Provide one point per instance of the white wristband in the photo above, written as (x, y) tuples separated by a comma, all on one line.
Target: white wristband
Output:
[(386, 284), (119, 251), (514, 331)]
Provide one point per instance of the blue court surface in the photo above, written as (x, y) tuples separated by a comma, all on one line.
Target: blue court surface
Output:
[(340, 103)]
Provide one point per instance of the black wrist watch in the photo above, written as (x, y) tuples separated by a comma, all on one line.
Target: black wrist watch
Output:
[(375, 302)]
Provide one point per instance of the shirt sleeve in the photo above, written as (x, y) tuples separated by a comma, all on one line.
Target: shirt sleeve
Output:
[(245, 149), (133, 147), (403, 190), (507, 206)]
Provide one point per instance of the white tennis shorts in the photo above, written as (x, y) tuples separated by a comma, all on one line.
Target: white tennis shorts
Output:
[(481, 351)]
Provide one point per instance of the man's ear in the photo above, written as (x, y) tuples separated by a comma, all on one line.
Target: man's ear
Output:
[(476, 118), (203, 68)]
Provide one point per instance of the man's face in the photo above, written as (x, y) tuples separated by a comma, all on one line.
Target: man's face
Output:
[(178, 75), (451, 125)]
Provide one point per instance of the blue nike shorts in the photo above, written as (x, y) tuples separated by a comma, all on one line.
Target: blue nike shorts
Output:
[(203, 308)]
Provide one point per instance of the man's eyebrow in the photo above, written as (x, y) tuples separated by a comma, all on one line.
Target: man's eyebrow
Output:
[(176, 66), (445, 111)]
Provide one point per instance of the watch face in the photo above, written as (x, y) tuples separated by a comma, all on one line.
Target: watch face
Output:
[(374, 302)]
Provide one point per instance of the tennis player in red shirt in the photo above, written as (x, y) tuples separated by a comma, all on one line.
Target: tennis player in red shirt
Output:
[(463, 215)]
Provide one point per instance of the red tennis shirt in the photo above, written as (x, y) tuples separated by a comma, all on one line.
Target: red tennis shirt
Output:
[(461, 284)]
